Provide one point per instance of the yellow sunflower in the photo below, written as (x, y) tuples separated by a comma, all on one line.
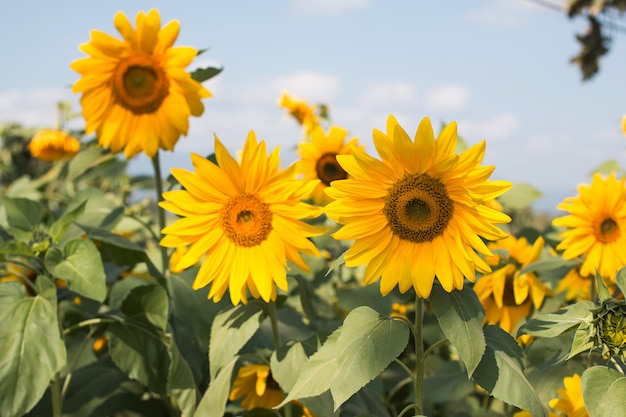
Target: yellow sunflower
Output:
[(319, 158), (53, 145), (136, 94), (597, 226), (300, 110), (419, 212), (255, 384), (575, 286), (507, 295), (245, 217), (570, 402)]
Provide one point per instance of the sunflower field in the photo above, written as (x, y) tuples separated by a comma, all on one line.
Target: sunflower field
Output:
[(394, 282)]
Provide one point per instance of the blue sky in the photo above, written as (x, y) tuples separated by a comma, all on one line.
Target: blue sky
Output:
[(498, 67)]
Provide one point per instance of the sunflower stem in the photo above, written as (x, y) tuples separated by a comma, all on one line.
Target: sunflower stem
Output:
[(271, 310), (156, 163), (57, 401), (419, 355)]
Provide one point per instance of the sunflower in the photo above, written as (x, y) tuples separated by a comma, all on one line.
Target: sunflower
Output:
[(597, 226), (507, 294), (299, 110), (575, 286), (419, 212), (570, 401), (245, 217), (255, 384), (136, 94), (53, 145), (319, 159)]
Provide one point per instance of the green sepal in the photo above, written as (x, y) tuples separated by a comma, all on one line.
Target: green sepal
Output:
[(202, 74)]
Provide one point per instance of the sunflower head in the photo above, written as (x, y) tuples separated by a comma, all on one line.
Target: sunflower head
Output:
[(419, 212), (318, 158), (507, 294), (242, 220), (609, 327), (254, 383), (300, 110), (136, 95), (53, 145), (570, 400), (596, 226)]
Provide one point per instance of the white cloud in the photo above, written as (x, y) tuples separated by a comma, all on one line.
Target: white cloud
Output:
[(503, 13), (449, 98), (499, 128), (332, 7), (35, 108), (389, 94)]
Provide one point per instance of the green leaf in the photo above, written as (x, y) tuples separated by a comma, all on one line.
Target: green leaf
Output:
[(501, 373), (31, 348), (138, 344), (182, 385), (213, 402), (603, 390), (86, 159), (449, 383), (603, 291), (318, 371), (553, 324), (583, 340), (461, 316), (105, 236), (15, 247), (606, 167), (79, 263), (543, 266), (519, 196), (621, 279), (203, 74), (230, 331), (22, 213), (59, 227), (368, 342), (336, 264), (286, 363)]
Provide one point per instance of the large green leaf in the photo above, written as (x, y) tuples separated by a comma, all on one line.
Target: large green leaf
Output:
[(91, 157), (604, 390), (22, 213), (213, 402), (79, 263), (230, 331), (31, 348), (59, 227), (368, 342), (553, 324), (461, 315), (519, 196), (318, 371), (286, 363), (182, 385), (449, 383), (138, 344), (501, 373)]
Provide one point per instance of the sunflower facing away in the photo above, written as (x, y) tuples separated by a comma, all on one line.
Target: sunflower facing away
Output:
[(53, 145), (319, 158), (597, 226), (419, 212), (507, 295), (245, 217), (136, 94)]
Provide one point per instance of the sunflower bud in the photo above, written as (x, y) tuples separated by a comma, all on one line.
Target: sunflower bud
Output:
[(610, 325)]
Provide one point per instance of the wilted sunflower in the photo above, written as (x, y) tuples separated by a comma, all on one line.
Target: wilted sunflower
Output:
[(597, 226), (136, 94), (570, 402), (245, 217), (508, 295), (255, 384), (300, 110), (419, 212), (53, 145), (319, 158)]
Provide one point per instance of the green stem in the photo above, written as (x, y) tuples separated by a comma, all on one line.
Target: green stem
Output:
[(57, 402), (161, 213), (434, 346), (271, 310), (419, 355), (86, 323)]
